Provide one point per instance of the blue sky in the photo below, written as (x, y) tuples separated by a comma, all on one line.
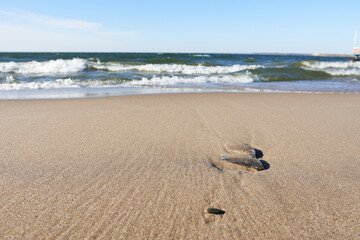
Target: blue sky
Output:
[(229, 26)]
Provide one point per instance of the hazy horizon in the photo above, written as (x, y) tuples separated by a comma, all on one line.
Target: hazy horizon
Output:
[(149, 52)]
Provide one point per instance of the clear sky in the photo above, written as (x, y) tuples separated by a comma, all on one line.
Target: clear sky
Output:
[(231, 26)]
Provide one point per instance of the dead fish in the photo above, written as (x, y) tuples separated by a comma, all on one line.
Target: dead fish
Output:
[(215, 211), (247, 161)]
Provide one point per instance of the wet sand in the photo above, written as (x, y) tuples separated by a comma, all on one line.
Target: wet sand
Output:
[(148, 167)]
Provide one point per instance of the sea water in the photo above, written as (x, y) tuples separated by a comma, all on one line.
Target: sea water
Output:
[(69, 75)]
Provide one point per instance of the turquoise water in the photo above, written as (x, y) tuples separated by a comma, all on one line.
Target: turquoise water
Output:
[(67, 75)]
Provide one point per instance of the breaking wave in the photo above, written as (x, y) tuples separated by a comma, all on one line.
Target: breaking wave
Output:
[(201, 55), (59, 83), (10, 79), (325, 65), (246, 77), (97, 70), (175, 80), (47, 67), (332, 68), (174, 68), (78, 65), (343, 72)]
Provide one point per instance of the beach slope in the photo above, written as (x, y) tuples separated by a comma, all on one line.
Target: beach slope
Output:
[(148, 167)]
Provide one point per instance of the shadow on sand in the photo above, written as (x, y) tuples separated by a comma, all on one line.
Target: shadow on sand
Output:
[(259, 154)]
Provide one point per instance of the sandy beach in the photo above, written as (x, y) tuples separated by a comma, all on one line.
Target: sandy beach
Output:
[(149, 166)]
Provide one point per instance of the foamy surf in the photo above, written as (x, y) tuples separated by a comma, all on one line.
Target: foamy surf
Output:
[(78, 65), (58, 83), (10, 79), (325, 65), (174, 68), (47, 67), (333, 68), (175, 80), (202, 55), (12, 84), (343, 72), (81, 73)]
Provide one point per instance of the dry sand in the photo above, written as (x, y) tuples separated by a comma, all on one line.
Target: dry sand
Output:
[(139, 167)]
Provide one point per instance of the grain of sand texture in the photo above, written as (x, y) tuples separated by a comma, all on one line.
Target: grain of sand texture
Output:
[(148, 167)]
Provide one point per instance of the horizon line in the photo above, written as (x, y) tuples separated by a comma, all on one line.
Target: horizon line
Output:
[(166, 52)]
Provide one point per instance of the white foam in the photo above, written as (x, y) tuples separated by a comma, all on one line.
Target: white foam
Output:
[(77, 65), (174, 68), (334, 68), (174, 80), (201, 55), (343, 72), (10, 79), (59, 83), (324, 65), (48, 67)]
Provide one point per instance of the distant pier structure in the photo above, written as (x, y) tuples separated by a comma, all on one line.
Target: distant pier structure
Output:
[(356, 49)]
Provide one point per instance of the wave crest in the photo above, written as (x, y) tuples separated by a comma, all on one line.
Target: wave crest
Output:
[(201, 55), (59, 83), (174, 68), (343, 72), (61, 66), (174, 80), (332, 68), (324, 65), (47, 67)]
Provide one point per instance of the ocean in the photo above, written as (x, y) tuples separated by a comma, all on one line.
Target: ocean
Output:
[(73, 75)]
